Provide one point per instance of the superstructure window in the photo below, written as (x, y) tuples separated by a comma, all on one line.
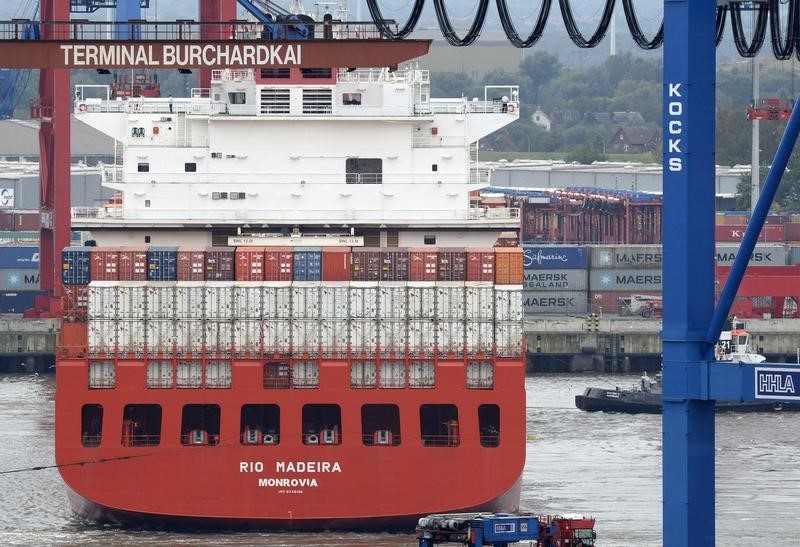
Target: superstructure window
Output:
[(439, 425), (91, 425), (315, 72), (489, 425), (143, 167), (237, 97), (364, 170), (380, 425), (200, 425), (261, 424), (272, 73), (322, 424), (141, 425), (429, 240), (190, 167), (351, 98)]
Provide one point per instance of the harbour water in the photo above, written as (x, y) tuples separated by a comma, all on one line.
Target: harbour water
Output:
[(605, 465)]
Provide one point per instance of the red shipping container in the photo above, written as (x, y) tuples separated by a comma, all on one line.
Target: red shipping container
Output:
[(278, 263), (452, 265), (104, 264), (423, 264), (480, 264), (793, 232), (250, 263), (6, 220), (365, 264), (336, 263), (27, 221), (394, 264), (133, 264), (220, 263), (649, 303), (770, 233), (74, 302), (191, 264), (508, 262)]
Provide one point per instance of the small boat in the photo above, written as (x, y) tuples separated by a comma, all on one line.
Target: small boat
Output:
[(646, 396)]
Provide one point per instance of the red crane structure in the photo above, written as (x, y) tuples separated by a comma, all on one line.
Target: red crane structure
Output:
[(212, 42)]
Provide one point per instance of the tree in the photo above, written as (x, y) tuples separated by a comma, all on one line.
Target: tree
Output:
[(540, 68)]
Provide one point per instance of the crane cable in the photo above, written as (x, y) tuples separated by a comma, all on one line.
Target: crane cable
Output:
[(572, 28), (636, 30), (782, 50), (758, 32), (511, 31), (447, 28), (382, 24)]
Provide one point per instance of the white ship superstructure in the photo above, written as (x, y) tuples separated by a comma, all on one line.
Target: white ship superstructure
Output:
[(314, 147)]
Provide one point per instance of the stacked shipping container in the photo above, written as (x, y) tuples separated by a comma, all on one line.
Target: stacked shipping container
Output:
[(19, 278)]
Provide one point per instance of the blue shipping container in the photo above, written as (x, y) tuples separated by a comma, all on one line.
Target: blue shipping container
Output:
[(75, 266), (308, 264), (18, 301), (17, 257), (547, 257), (162, 264)]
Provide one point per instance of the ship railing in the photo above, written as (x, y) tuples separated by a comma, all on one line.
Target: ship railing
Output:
[(96, 212), (480, 175), (232, 75), (495, 213), (111, 173), (378, 75), (177, 31), (137, 105)]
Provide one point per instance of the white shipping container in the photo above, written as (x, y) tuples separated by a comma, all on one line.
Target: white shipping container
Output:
[(393, 336), (102, 300), (102, 336), (393, 374), (218, 374), (334, 298), (421, 374), (102, 374), (189, 299), (305, 299), (479, 298), (334, 335), (421, 336), (508, 303), (508, 337), (363, 300), (480, 375), (218, 300), (276, 299), (479, 337), (450, 301), (247, 300), (363, 374), (393, 300), (277, 335), (132, 299), (451, 337), (364, 335), (189, 374), (130, 336), (219, 335), (159, 374), (160, 335), (421, 300), (247, 336), (160, 300), (189, 335), (305, 374), (305, 336)]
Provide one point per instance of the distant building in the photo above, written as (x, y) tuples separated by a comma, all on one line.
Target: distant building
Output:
[(619, 118), (542, 120), (635, 139)]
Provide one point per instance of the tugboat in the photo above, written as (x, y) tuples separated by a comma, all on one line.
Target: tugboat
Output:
[(646, 396)]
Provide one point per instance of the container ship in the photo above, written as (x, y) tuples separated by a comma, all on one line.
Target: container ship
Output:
[(297, 313)]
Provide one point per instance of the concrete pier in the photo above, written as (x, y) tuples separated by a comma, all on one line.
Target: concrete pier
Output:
[(624, 344), (27, 345)]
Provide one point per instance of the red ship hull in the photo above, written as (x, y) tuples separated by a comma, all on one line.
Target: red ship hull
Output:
[(289, 485)]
